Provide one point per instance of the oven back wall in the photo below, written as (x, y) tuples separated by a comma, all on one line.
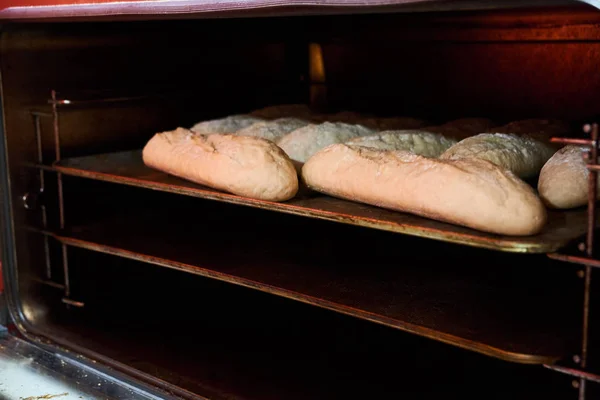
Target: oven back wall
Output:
[(497, 64), (198, 70)]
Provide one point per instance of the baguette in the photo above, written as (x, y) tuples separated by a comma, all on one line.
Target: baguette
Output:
[(522, 155), (273, 130), (241, 165), (372, 122), (302, 143), (419, 142), (563, 181), (469, 192), (225, 125)]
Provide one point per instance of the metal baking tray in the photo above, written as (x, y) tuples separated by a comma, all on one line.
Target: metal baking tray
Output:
[(128, 168)]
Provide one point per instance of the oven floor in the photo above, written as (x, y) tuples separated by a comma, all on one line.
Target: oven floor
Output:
[(28, 372), (316, 354)]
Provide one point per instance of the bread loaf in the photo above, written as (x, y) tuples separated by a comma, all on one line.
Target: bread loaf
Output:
[(563, 181), (241, 165), (229, 124), (419, 142), (372, 122), (449, 132), (273, 130), (469, 192), (302, 143), (522, 155)]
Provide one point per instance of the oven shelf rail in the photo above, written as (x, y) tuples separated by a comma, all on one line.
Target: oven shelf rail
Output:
[(587, 261), (56, 103)]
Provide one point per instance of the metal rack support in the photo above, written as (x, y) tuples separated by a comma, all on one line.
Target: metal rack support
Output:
[(61, 208), (591, 158)]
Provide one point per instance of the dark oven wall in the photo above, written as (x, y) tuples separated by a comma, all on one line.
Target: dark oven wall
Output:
[(156, 76), (191, 70)]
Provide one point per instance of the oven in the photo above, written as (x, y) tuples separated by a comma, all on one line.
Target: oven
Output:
[(121, 281)]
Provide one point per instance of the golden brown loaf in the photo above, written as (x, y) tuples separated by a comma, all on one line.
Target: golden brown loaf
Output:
[(241, 165), (469, 192)]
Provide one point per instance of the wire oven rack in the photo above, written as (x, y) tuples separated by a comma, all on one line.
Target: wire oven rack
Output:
[(586, 260), (580, 223)]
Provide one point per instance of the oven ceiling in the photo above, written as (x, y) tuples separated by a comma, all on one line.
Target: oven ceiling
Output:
[(147, 9)]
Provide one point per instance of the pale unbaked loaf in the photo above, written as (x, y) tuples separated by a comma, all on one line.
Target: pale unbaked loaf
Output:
[(423, 143), (229, 124), (241, 165), (273, 130), (522, 155), (372, 122), (563, 180), (302, 143), (471, 192)]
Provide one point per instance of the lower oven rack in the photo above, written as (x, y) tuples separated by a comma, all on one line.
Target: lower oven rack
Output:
[(295, 352), (527, 324)]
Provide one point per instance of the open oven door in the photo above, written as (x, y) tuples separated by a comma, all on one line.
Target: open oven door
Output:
[(28, 372)]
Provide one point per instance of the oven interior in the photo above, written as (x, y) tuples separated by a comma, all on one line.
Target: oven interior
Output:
[(225, 301)]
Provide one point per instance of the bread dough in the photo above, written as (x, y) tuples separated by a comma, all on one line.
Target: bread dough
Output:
[(273, 130), (522, 155), (426, 144), (229, 124), (302, 143)]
